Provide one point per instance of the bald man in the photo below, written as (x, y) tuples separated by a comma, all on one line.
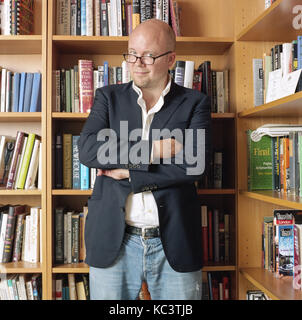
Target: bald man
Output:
[(143, 220)]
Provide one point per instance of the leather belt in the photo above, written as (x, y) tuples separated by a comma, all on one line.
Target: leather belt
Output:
[(144, 232)]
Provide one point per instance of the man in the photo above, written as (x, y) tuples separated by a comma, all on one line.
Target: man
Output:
[(143, 220)]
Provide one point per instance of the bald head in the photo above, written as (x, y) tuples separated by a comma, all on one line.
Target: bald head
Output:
[(160, 30)]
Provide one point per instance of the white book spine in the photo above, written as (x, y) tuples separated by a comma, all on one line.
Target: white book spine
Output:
[(113, 16), (220, 91), (166, 11), (97, 18), (34, 235), (1, 17), (8, 94), (286, 63), (41, 233), (33, 166), (22, 285), (189, 73), (159, 9), (125, 72), (2, 235), (258, 82), (7, 30), (119, 17), (95, 81), (73, 17), (89, 17), (3, 89), (29, 290)]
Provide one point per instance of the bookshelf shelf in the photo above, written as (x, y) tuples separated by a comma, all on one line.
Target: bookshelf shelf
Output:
[(5, 192), (69, 116), (27, 44), (20, 116), (118, 45), (274, 197), (216, 191), (276, 23), (227, 115), (20, 267), (216, 267), (71, 192), (276, 289), (289, 106), (71, 268)]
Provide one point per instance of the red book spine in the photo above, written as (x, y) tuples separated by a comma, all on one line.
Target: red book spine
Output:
[(210, 234), (204, 229), (197, 80), (226, 293), (85, 85)]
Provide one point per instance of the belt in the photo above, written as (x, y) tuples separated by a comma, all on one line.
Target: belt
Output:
[(144, 232)]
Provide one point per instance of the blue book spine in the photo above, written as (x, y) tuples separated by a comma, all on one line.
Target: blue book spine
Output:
[(35, 101), (84, 173), (83, 17), (106, 73), (28, 91), (22, 90), (75, 163), (299, 47), (16, 92)]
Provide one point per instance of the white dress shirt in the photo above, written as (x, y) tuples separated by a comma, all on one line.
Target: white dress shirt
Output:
[(141, 208)]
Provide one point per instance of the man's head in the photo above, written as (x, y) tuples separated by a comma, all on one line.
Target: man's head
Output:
[(152, 38)]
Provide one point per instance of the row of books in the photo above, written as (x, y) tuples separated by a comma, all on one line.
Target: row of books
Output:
[(281, 244), (71, 287), (69, 230), (216, 286), (20, 233), (21, 161), (20, 92), (215, 226), (274, 163), (69, 173), (270, 73), (112, 17), (75, 87), (16, 17), (185, 74), (21, 287), (214, 173)]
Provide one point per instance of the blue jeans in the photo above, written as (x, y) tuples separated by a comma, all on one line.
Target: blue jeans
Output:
[(143, 259)]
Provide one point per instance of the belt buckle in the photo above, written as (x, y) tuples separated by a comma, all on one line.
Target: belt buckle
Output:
[(144, 233)]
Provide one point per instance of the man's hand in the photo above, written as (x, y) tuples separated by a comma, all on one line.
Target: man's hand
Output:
[(166, 148), (117, 174)]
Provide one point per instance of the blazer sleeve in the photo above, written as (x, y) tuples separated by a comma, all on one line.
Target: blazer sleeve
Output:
[(90, 143), (165, 175)]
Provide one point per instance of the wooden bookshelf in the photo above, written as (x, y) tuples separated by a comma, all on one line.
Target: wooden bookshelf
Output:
[(257, 31), (28, 53)]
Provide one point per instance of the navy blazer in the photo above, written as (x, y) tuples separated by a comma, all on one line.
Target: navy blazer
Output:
[(174, 191)]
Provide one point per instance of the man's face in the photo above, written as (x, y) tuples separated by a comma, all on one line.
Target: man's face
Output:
[(147, 42)]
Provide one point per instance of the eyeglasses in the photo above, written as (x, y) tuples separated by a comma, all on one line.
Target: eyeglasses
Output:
[(132, 58)]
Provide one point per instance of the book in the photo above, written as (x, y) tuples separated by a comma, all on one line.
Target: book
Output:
[(85, 85), (27, 91), (258, 82), (35, 100), (259, 163)]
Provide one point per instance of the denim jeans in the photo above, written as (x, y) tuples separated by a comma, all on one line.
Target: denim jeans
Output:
[(143, 259)]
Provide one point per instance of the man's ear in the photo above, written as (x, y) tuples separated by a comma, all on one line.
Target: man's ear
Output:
[(172, 57)]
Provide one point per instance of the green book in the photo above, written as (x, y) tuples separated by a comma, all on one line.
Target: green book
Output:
[(260, 168), (26, 161), (68, 91)]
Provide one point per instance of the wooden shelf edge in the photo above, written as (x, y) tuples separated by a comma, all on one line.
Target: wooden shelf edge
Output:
[(216, 191), (274, 197), (256, 111), (20, 267), (5, 192), (213, 268), (70, 192), (71, 268)]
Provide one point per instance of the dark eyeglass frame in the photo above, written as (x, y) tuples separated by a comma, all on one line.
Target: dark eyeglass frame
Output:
[(154, 58)]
